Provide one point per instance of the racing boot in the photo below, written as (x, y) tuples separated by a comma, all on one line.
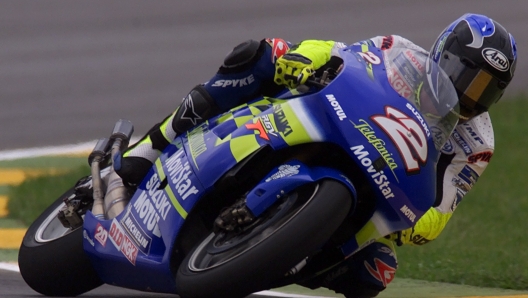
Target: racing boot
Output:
[(363, 275), (137, 160)]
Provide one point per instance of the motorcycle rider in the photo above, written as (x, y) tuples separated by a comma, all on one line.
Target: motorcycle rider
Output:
[(476, 52)]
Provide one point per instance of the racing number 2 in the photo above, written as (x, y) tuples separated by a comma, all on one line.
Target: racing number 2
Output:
[(370, 57), (407, 135)]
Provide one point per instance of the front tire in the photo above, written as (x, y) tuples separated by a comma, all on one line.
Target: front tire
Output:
[(236, 266), (52, 260)]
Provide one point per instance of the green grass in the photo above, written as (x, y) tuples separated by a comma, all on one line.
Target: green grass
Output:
[(484, 244), (31, 197), (3, 189), (12, 223), (58, 162), (8, 255)]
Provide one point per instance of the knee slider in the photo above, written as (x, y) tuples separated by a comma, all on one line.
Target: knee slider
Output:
[(242, 54), (196, 107)]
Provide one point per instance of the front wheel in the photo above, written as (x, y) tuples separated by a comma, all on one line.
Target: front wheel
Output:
[(236, 264), (52, 260)]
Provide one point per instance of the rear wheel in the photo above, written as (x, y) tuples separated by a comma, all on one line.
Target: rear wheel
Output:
[(52, 260), (236, 264)]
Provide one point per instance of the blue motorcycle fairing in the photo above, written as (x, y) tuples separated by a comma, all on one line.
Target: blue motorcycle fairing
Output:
[(286, 178), (381, 158), (383, 133), (144, 232)]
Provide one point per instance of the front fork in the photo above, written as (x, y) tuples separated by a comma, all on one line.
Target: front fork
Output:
[(277, 184)]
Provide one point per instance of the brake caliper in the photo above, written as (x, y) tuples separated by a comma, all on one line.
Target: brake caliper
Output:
[(236, 216), (76, 205)]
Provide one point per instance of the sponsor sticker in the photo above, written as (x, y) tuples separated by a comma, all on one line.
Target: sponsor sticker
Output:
[(337, 107), (410, 68), (387, 42), (141, 239), (382, 272), (122, 243), (496, 59), (419, 240), (101, 234), (189, 112), (462, 143), (281, 122), (285, 171), (245, 81), (196, 139), (439, 46), (474, 136), (399, 84), (482, 156), (378, 177), (419, 117), (152, 205), (179, 172), (368, 132), (448, 147), (469, 176), (408, 213), (258, 126)]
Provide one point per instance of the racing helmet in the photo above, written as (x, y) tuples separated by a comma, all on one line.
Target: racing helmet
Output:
[(479, 56)]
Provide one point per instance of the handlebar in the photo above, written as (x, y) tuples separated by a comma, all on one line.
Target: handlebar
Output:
[(322, 81)]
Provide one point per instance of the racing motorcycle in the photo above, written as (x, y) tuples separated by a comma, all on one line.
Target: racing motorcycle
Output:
[(265, 195)]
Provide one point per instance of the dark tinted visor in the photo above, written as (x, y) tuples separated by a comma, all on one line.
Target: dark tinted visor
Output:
[(477, 89)]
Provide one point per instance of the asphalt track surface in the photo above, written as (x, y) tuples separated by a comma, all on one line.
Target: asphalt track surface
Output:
[(13, 286), (70, 69)]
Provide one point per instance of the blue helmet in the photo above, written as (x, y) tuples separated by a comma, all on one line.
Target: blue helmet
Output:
[(479, 56)]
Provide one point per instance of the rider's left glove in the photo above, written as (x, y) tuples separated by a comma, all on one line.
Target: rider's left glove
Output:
[(401, 237), (292, 70)]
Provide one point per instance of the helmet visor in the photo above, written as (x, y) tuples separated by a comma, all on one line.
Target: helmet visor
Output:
[(476, 88)]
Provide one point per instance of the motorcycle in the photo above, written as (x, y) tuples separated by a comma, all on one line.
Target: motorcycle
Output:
[(267, 194)]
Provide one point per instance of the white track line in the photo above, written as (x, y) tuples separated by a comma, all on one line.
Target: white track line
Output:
[(44, 151), (9, 267), (14, 268), (279, 294), (51, 150)]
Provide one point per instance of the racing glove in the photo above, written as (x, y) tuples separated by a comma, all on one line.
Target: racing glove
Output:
[(293, 69), (428, 228), (401, 237), (303, 59)]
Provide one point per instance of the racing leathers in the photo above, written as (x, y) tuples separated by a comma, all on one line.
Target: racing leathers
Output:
[(259, 68)]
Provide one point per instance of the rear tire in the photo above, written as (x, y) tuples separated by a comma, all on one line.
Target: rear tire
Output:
[(236, 266), (52, 260)]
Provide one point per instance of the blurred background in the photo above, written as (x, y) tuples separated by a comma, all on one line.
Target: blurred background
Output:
[(70, 69)]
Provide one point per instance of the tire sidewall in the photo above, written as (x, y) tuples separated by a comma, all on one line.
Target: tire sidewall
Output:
[(59, 267)]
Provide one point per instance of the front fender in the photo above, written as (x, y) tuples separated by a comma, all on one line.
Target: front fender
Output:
[(287, 177)]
